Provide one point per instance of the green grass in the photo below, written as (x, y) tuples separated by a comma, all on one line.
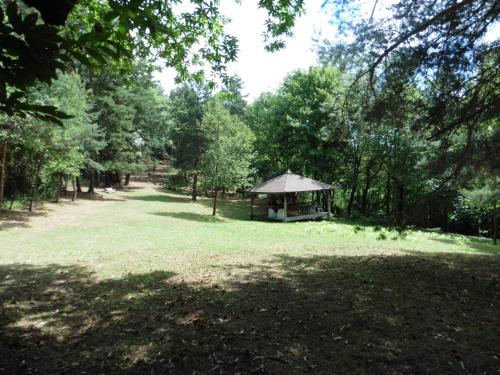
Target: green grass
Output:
[(149, 282), (159, 231)]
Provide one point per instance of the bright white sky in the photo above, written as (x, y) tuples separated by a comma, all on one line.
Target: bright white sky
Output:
[(261, 70)]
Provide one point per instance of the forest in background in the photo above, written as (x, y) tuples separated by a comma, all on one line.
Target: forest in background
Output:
[(403, 121)]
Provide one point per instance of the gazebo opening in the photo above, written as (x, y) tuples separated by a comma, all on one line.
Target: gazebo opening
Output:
[(292, 197)]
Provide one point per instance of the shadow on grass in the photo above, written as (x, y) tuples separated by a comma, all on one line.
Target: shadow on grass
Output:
[(13, 219), (230, 209), (167, 198), (362, 315), (484, 245), (226, 208), (191, 216)]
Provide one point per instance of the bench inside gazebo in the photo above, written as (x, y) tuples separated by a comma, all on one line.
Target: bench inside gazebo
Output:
[(283, 204)]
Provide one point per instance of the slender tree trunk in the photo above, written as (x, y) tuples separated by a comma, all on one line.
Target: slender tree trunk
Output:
[(401, 206), (34, 184), (78, 185), (251, 205), (58, 189), (127, 179), (13, 195), (91, 183), (351, 199), (2, 173), (107, 177), (214, 211), (388, 195), (364, 199), (357, 162), (75, 193), (65, 185), (366, 188), (495, 224), (194, 192), (328, 203)]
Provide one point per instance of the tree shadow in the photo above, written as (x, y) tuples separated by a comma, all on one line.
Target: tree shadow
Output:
[(226, 208), (484, 245), (363, 315), (234, 209), (191, 216), (13, 219), (170, 198)]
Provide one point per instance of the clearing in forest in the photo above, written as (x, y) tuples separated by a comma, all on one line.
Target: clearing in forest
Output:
[(147, 281)]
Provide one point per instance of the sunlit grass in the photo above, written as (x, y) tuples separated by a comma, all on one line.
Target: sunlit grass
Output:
[(149, 282), (154, 230)]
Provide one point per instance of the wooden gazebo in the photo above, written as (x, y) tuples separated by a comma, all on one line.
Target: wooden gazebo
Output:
[(285, 187)]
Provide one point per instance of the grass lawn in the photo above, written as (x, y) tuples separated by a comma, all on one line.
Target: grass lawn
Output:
[(145, 281)]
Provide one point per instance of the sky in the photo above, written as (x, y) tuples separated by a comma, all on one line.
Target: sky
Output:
[(263, 71), (260, 70)]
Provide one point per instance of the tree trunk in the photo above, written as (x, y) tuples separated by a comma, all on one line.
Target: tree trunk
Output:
[(73, 185), (107, 177), (2, 173), (495, 224), (401, 206), (364, 199), (127, 179), (78, 185), (91, 183), (369, 177), (13, 194), (34, 184), (357, 162), (388, 195), (214, 211), (328, 204), (195, 187), (58, 188), (251, 205), (65, 185)]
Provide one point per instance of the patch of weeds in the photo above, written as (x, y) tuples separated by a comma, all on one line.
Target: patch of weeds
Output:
[(358, 228), (381, 236)]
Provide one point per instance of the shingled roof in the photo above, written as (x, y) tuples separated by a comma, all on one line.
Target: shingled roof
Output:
[(289, 183)]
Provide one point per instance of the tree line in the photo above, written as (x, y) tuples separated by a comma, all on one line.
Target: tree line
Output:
[(402, 119)]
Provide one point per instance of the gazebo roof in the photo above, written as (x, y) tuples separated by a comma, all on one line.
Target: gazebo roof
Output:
[(289, 183)]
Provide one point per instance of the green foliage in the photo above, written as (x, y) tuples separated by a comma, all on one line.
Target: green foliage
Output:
[(445, 49), (34, 50), (186, 107), (298, 126), (38, 38), (226, 161)]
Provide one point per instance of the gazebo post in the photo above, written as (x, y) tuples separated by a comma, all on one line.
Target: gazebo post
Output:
[(251, 205), (284, 216), (328, 203)]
